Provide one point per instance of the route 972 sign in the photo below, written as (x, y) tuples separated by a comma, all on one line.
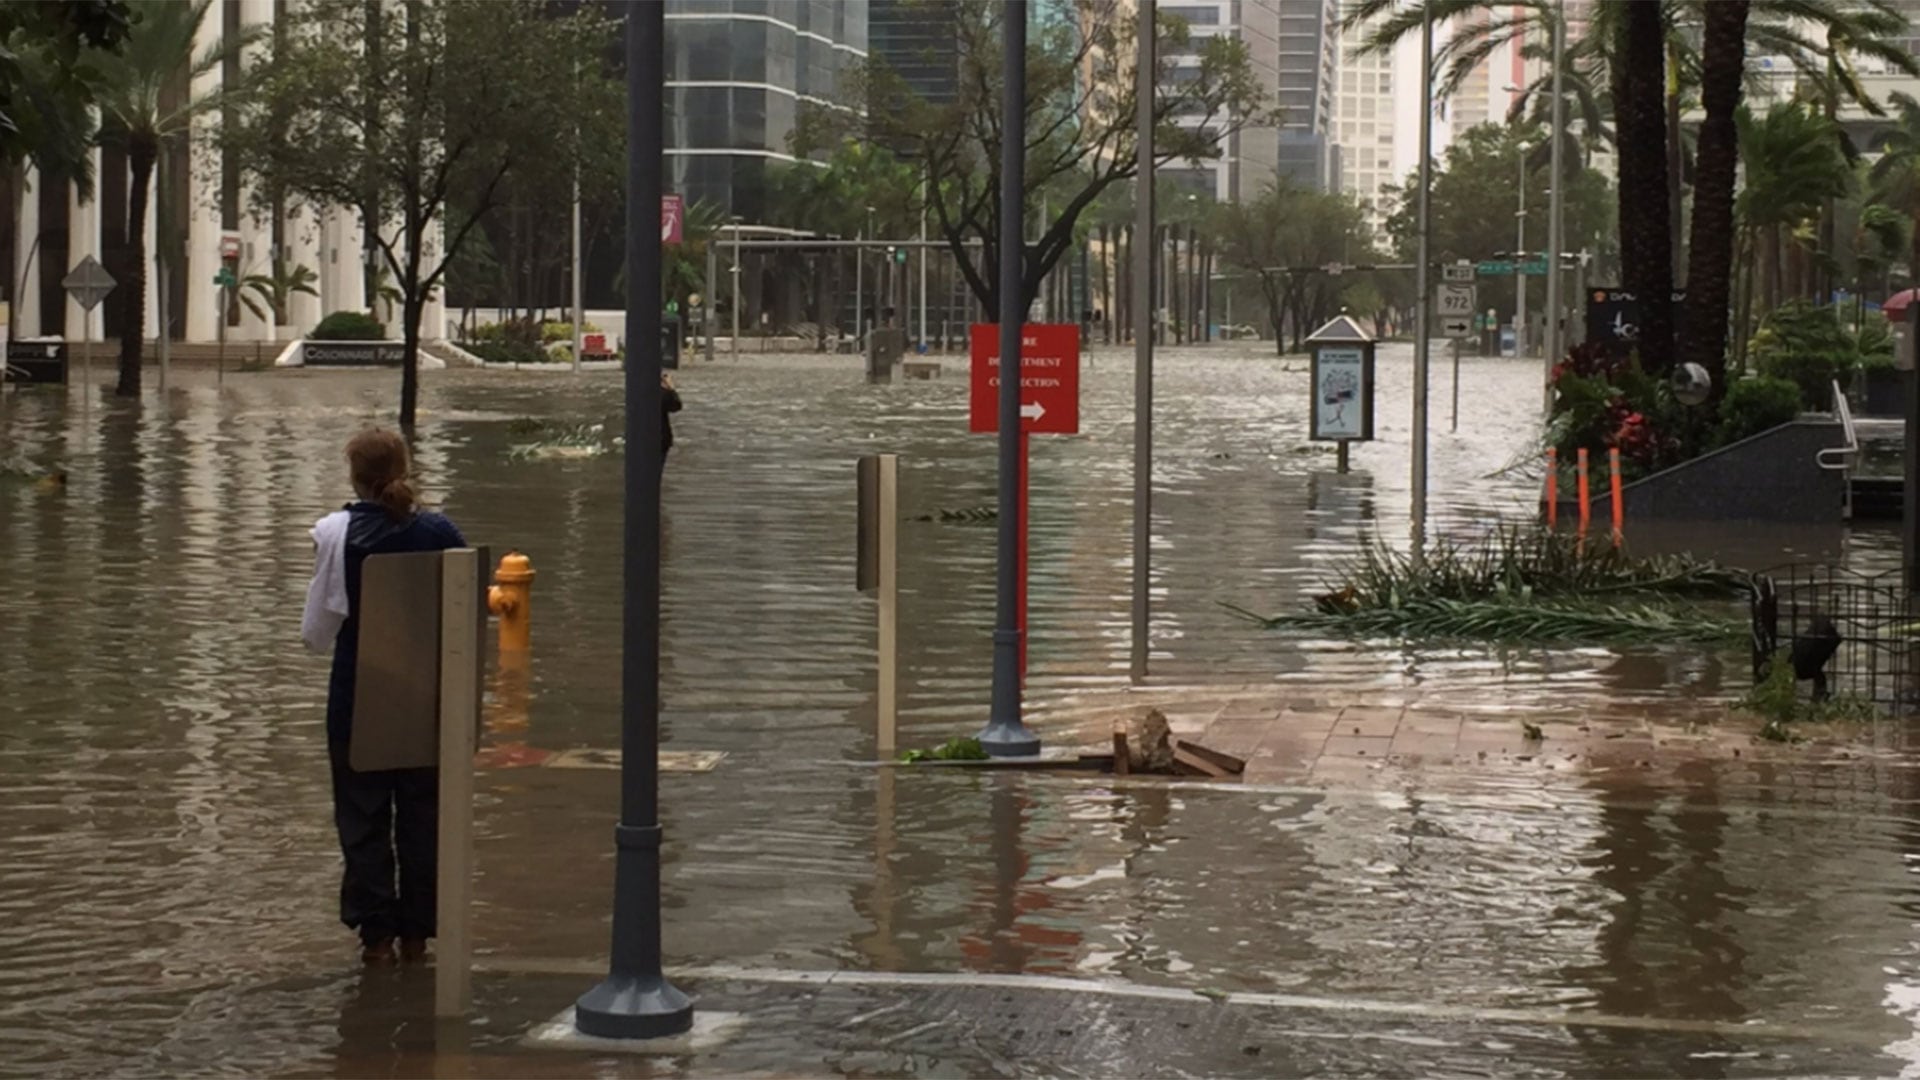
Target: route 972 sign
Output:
[(1049, 379)]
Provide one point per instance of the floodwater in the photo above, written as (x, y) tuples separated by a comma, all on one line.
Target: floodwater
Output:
[(167, 867)]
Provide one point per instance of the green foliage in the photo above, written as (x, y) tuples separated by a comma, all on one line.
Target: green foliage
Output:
[(951, 750), (51, 57), (1603, 400), (420, 133), (268, 294), (349, 326), (1530, 563), (1290, 226), (1517, 584), (1081, 116), (1776, 700), (554, 331), (1808, 345), (1517, 619), (1475, 193), (1757, 404)]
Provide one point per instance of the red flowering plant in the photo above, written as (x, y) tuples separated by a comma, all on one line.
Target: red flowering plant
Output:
[(1603, 400)]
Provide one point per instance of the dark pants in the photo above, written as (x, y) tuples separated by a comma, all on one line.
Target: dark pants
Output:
[(389, 833)]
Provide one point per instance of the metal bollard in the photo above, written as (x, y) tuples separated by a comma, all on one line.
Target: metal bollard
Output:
[(511, 598)]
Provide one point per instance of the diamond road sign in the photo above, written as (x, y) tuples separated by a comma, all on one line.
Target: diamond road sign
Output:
[(88, 284)]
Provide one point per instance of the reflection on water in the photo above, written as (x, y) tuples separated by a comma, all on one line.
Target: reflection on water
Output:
[(162, 772)]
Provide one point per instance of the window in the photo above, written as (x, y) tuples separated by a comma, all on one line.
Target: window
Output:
[(1194, 14)]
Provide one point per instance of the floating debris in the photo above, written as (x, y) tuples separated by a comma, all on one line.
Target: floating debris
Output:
[(563, 442), (969, 515)]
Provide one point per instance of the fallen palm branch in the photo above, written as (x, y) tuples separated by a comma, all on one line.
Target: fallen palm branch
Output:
[(1515, 619), (1519, 563)]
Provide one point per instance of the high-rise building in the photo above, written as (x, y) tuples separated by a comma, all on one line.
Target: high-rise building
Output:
[(737, 73), (1378, 117), (1307, 66), (1250, 157), (917, 40)]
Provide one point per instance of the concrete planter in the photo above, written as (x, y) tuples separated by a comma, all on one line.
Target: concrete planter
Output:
[(1771, 477)]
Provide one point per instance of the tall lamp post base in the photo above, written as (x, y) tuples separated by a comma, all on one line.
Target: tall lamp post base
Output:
[(633, 1007), (1005, 734)]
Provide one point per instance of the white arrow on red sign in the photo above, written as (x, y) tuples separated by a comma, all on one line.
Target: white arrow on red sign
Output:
[(1032, 410)]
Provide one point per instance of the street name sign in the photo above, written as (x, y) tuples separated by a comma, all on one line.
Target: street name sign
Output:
[(1049, 379)]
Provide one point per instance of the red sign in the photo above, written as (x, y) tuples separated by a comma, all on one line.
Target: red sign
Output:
[(230, 246), (594, 345), (1049, 379), (673, 214)]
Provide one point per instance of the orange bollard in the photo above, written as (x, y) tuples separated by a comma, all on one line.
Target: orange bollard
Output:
[(1585, 510), (1553, 487), (1613, 475)]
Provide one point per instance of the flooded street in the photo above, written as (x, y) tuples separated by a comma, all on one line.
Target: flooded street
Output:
[(167, 897)]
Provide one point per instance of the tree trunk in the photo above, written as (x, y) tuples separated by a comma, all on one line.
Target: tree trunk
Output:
[(1646, 239), (1710, 250), (411, 308), (1106, 285), (1676, 160), (142, 152)]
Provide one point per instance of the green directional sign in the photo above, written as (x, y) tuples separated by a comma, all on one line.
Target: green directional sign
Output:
[(1505, 267), (900, 255), (224, 278)]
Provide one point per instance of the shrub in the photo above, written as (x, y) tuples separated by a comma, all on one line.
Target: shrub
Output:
[(349, 326), (521, 331), (1875, 342), (508, 352), (1810, 346), (1756, 405), (559, 330), (1812, 373)]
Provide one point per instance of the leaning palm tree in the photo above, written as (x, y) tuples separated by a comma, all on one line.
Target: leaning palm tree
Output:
[(147, 106)]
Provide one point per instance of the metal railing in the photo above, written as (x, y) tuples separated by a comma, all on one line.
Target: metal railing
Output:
[(1841, 457)]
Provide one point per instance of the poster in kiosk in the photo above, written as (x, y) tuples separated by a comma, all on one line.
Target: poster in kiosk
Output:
[(1342, 408)]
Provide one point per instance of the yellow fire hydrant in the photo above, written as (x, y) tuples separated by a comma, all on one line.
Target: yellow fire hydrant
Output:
[(511, 598)]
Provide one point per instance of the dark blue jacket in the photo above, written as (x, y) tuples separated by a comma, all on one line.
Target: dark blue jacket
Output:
[(371, 531)]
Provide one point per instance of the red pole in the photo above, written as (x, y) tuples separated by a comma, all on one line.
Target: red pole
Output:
[(1020, 620), (1619, 512), (1553, 487), (1585, 505)]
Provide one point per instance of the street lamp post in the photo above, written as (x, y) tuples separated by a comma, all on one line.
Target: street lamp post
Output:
[(1423, 275), (1143, 349), (636, 1001), (1519, 262), (1005, 735), (733, 343)]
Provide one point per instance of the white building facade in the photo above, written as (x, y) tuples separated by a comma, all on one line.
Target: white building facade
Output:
[(216, 227)]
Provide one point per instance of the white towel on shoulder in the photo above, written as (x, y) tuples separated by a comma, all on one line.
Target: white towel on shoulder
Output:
[(327, 605)]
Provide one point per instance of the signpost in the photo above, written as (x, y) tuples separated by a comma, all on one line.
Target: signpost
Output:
[(1457, 273), (1342, 381), (225, 280), (1454, 305), (1049, 405), (88, 284)]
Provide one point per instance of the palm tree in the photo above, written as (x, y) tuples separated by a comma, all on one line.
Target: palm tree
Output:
[(1896, 175), (1793, 164), (138, 110), (1710, 254)]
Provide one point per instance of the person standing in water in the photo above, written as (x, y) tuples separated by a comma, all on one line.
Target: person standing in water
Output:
[(388, 821)]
